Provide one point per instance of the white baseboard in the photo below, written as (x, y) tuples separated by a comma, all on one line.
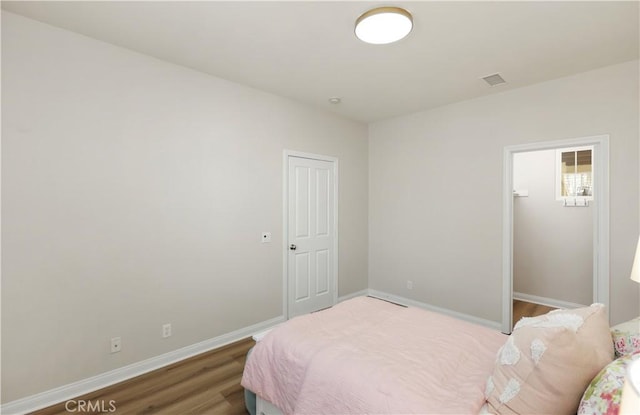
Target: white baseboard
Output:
[(73, 390), (413, 303), (360, 293), (549, 302)]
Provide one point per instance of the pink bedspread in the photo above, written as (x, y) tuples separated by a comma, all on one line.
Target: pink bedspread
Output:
[(367, 356)]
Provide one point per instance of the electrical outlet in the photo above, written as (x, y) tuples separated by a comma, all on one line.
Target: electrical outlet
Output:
[(116, 344), (166, 330), (409, 285), (266, 237)]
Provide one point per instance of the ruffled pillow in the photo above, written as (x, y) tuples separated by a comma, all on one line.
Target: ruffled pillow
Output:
[(602, 397), (626, 337), (548, 361)]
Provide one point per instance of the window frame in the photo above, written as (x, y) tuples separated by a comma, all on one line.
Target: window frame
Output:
[(559, 173)]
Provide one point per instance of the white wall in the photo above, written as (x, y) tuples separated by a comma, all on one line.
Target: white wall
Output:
[(435, 187), (552, 244), (134, 194)]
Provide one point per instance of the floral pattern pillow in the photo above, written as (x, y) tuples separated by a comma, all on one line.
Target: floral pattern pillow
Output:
[(626, 337), (602, 397)]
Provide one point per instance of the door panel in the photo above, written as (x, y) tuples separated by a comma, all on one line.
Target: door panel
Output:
[(303, 274), (302, 196), (311, 235), (322, 202), (322, 271)]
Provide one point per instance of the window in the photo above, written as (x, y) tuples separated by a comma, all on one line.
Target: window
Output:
[(574, 173)]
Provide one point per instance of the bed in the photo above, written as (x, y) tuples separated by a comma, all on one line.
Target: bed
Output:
[(370, 356)]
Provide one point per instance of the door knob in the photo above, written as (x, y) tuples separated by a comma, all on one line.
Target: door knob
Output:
[(292, 247)]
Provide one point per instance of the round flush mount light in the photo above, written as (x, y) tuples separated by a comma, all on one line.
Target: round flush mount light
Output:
[(335, 100), (383, 25)]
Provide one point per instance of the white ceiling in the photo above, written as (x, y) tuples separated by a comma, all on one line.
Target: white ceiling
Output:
[(307, 50)]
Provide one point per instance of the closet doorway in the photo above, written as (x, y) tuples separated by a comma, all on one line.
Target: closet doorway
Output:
[(555, 226), (552, 230)]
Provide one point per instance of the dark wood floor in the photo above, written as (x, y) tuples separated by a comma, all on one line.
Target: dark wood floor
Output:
[(525, 309), (205, 384)]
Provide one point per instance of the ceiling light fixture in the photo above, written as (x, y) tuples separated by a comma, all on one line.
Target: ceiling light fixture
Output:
[(383, 25), (335, 100)]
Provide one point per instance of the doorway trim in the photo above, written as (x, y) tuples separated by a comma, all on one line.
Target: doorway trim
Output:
[(600, 218), (285, 223)]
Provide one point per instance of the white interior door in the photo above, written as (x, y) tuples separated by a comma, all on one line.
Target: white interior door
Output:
[(311, 235)]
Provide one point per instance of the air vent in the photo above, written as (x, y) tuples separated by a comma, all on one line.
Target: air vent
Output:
[(494, 79)]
